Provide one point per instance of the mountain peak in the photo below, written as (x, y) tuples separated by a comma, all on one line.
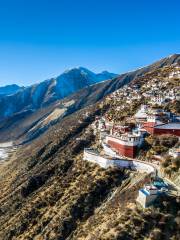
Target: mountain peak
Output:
[(77, 69), (86, 70), (9, 89)]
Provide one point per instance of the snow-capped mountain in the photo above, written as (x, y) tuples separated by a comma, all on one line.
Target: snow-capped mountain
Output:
[(30, 112), (77, 78), (48, 91)]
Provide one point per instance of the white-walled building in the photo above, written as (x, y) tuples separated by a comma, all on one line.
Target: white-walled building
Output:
[(141, 114), (159, 100), (175, 74), (147, 195)]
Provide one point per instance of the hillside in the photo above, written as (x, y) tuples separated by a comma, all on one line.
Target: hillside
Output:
[(30, 119), (49, 192)]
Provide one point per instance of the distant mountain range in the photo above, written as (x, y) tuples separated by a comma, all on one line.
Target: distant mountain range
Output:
[(9, 90), (31, 111), (14, 99)]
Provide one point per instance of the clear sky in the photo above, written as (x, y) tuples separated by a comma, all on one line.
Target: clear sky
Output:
[(41, 38)]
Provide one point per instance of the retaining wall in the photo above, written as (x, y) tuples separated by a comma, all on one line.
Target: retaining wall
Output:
[(104, 162)]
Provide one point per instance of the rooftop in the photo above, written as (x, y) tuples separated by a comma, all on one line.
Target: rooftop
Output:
[(169, 126)]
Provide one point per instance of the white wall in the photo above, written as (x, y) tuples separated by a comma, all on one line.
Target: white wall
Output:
[(140, 166), (145, 200), (108, 150), (105, 163), (95, 159)]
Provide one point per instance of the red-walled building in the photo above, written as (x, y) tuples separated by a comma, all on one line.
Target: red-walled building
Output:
[(169, 128), (150, 124), (125, 145), (154, 127)]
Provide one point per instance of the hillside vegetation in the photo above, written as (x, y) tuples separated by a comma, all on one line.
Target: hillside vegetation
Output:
[(48, 192), (28, 113)]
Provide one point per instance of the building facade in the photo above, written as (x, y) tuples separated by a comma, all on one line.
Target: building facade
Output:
[(125, 144), (155, 127), (147, 196)]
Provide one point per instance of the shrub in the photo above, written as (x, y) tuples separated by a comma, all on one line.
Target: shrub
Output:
[(176, 162), (168, 140)]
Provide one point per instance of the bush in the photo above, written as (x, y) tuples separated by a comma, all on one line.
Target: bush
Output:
[(168, 140), (176, 162), (159, 149)]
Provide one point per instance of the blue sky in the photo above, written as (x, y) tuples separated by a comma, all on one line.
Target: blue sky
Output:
[(40, 39)]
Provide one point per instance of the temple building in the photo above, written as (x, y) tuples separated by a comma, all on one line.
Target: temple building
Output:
[(157, 121), (157, 127), (125, 144)]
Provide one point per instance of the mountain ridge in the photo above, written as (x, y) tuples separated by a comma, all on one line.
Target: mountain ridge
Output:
[(21, 123), (9, 89), (48, 91), (48, 191)]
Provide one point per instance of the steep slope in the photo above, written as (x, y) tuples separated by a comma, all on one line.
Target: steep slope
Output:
[(25, 123), (49, 192), (44, 93)]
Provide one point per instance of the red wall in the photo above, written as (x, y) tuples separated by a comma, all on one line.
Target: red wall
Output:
[(149, 127), (159, 131), (126, 151)]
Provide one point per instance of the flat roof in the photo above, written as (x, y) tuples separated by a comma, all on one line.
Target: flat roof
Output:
[(175, 126)]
